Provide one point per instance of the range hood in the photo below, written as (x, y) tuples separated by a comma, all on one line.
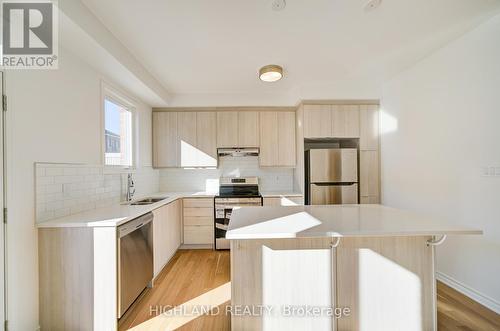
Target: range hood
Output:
[(237, 152)]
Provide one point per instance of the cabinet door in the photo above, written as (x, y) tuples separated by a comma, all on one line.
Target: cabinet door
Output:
[(369, 127), (345, 121), (206, 135), (268, 155), (369, 176), (160, 239), (286, 139), (186, 125), (227, 129), (317, 121), (283, 201), (165, 140), (248, 129), (174, 228)]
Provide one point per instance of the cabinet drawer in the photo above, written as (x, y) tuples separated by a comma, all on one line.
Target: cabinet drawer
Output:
[(198, 203), (283, 201), (198, 234), (202, 220), (197, 212)]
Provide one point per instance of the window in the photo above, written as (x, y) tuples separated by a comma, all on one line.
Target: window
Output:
[(118, 137)]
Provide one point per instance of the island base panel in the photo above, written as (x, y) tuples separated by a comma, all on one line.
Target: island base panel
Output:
[(387, 283)]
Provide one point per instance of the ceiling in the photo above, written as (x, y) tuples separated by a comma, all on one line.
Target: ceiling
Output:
[(216, 47)]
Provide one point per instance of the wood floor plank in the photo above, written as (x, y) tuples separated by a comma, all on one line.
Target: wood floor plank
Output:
[(191, 274)]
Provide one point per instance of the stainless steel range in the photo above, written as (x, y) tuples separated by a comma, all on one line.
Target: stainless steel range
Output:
[(233, 193)]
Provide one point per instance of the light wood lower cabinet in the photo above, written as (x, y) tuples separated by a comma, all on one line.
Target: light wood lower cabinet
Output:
[(198, 221), (166, 234), (283, 201)]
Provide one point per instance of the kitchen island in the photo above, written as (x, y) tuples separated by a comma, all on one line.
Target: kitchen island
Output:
[(340, 267)]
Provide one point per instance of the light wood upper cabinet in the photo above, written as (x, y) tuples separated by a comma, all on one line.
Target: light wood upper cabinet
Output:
[(286, 139), (227, 134), (206, 136), (345, 121), (369, 127), (248, 129), (186, 125), (268, 155), (317, 121), (277, 139), (165, 141)]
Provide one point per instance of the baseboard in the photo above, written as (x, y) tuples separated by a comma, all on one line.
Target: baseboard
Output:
[(480, 298)]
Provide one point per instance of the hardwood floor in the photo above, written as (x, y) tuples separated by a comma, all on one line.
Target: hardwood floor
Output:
[(202, 277)]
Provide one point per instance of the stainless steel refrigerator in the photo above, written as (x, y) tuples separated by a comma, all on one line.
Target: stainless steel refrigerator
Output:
[(332, 176)]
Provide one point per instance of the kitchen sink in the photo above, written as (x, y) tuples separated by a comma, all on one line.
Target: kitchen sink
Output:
[(147, 201)]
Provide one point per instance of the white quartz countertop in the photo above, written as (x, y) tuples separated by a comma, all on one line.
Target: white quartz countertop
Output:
[(118, 214), (334, 221)]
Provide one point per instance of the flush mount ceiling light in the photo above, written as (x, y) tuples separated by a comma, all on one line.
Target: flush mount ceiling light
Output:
[(271, 73), (372, 5)]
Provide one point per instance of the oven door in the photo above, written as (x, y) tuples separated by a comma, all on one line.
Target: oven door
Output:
[(223, 210)]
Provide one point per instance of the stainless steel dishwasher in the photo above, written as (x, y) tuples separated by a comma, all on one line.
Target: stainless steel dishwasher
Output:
[(135, 260)]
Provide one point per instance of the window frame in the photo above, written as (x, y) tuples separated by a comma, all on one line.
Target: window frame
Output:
[(119, 98)]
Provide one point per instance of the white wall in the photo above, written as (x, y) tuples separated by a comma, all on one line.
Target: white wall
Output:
[(441, 119), (54, 116)]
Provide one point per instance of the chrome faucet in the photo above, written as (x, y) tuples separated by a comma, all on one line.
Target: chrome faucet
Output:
[(130, 187)]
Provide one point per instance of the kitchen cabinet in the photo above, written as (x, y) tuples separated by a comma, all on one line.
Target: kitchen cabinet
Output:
[(317, 121), (184, 139), (237, 129), (286, 139), (198, 221), (186, 126), (277, 139), (165, 140), (166, 234), (206, 136), (369, 128), (345, 121), (369, 176), (227, 133), (283, 201), (248, 129), (331, 121), (268, 155)]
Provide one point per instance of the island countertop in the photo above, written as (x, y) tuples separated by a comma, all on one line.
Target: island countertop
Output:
[(335, 221)]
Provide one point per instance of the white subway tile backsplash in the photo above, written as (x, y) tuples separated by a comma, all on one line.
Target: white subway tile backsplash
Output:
[(271, 179), (66, 189)]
